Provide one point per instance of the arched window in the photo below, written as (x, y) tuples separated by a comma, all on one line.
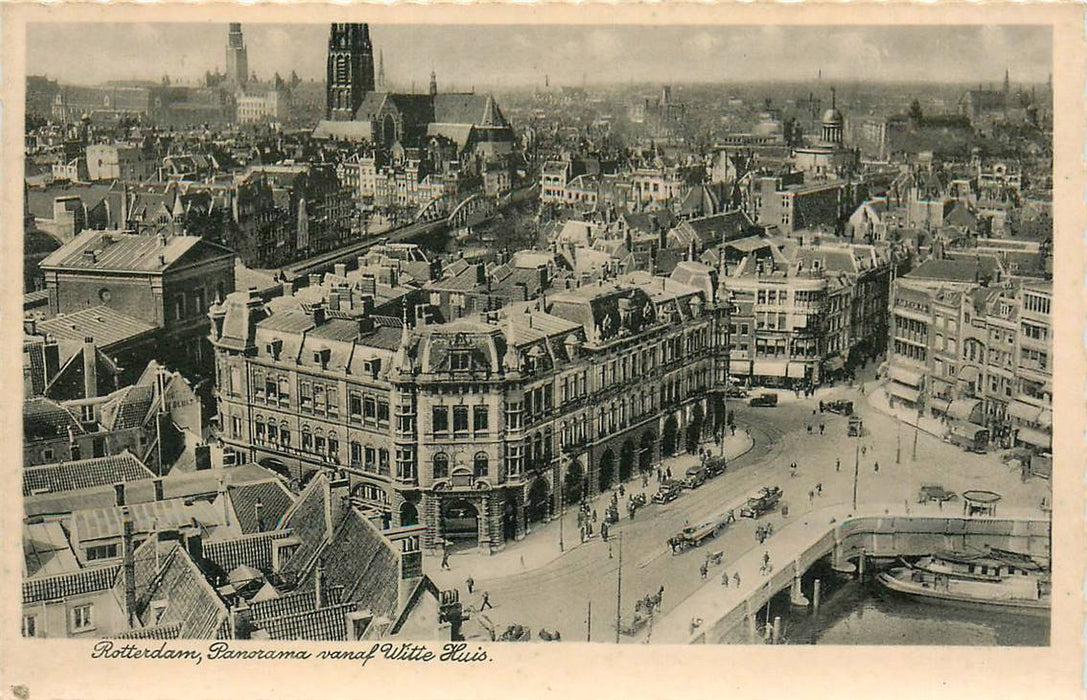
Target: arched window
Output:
[(480, 464), (258, 429), (441, 466), (307, 439), (356, 453)]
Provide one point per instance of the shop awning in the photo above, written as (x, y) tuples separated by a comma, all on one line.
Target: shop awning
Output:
[(1024, 411), (939, 405), (968, 373), (903, 392), (771, 368), (835, 364), (795, 370), (905, 376), (1033, 437), (963, 409), (739, 368)]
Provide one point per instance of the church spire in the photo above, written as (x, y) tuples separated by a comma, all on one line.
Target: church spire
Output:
[(433, 83), (381, 70)]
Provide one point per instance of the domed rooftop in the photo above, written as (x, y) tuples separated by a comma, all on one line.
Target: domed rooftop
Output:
[(833, 116)]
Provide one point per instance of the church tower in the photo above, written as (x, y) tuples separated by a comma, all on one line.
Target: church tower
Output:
[(237, 61), (350, 73), (433, 84), (381, 71)]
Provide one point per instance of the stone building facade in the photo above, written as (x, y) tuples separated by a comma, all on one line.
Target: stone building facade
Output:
[(479, 427)]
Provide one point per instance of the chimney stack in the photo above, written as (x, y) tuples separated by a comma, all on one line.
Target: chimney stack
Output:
[(288, 288), (158, 489), (119, 493), (258, 507), (340, 269), (130, 569), (319, 586), (90, 368)]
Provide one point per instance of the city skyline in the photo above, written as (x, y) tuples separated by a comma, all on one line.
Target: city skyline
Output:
[(566, 55)]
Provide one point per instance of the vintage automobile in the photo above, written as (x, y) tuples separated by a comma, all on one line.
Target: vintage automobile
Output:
[(935, 492), (695, 477), (668, 492), (856, 426), (715, 466), (694, 536), (734, 391), (768, 400), (765, 501), (841, 407)]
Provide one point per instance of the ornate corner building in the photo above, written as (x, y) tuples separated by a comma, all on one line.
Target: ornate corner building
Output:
[(479, 427)]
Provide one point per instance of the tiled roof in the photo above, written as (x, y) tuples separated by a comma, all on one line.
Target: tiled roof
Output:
[(250, 550), (111, 250), (84, 473), (297, 601), (360, 559), (68, 585), (274, 498), (191, 601), (306, 518), (97, 523), (107, 326), (44, 418), (128, 407), (325, 625), (167, 631)]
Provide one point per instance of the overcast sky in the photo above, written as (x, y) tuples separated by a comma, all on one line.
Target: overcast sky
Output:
[(522, 54)]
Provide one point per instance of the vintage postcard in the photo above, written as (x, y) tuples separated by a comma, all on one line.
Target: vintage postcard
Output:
[(469, 353)]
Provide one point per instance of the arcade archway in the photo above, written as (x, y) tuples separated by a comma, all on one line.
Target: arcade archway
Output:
[(669, 437), (606, 474), (626, 460)]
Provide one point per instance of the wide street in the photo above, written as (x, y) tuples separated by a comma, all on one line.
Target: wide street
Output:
[(531, 584)]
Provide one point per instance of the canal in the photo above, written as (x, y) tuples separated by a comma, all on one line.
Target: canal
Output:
[(855, 612)]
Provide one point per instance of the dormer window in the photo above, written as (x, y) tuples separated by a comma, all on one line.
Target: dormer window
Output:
[(274, 348), (321, 357), (460, 360)]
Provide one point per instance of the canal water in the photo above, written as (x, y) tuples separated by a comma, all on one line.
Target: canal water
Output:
[(854, 612)]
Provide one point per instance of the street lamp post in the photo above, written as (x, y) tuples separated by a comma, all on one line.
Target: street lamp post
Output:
[(856, 473), (619, 591), (898, 439), (562, 513)]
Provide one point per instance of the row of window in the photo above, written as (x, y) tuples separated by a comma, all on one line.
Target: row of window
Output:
[(440, 419), (80, 619)]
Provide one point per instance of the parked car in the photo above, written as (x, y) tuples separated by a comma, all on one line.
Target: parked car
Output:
[(668, 492), (840, 407), (934, 492), (715, 466), (766, 500), (695, 477), (734, 391), (764, 400)]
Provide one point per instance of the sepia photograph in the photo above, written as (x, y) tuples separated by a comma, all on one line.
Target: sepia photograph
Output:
[(396, 335)]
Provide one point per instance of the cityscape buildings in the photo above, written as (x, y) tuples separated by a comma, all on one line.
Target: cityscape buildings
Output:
[(297, 349)]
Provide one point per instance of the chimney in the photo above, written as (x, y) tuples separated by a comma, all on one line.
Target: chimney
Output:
[(334, 300), (90, 368), (315, 279), (119, 493), (481, 273), (258, 509), (194, 544), (288, 288), (158, 489), (319, 586), (339, 489), (51, 350), (130, 569), (340, 269), (318, 313), (202, 454), (224, 499)]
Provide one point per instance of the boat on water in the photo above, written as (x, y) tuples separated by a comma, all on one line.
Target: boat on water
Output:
[(994, 577)]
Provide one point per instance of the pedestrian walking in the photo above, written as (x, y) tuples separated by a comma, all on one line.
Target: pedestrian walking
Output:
[(660, 598), (766, 558), (486, 602), (594, 515), (731, 516), (445, 558), (864, 449), (838, 464), (809, 428), (819, 488), (822, 427), (811, 496), (876, 466), (703, 571), (668, 473), (471, 584), (736, 579), (622, 491)]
